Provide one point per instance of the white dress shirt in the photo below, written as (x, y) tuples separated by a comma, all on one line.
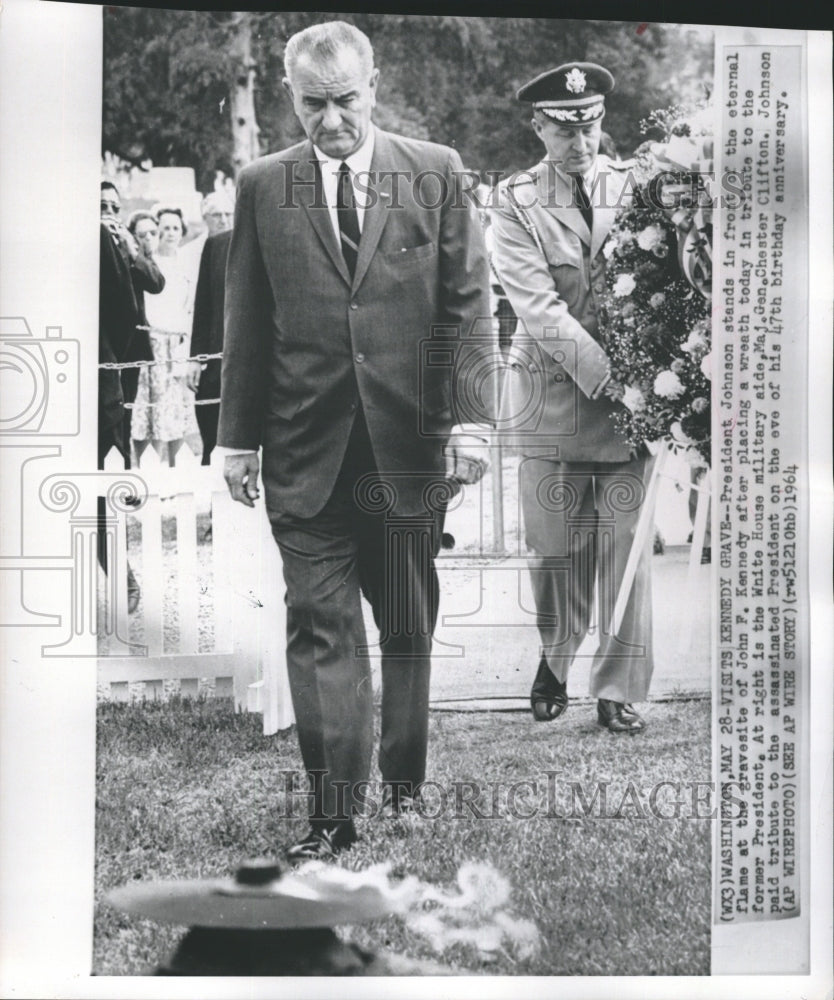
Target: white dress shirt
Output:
[(358, 163)]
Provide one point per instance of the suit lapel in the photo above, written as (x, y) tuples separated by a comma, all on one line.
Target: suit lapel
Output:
[(376, 214), (311, 196)]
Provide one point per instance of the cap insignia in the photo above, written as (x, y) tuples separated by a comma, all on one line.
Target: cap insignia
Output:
[(575, 81)]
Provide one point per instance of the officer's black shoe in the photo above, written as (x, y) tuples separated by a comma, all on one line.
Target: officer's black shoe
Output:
[(618, 717)]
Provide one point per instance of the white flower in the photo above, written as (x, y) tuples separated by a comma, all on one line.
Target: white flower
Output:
[(694, 343), (634, 399), (693, 458), (702, 121), (706, 366), (609, 248), (668, 385), (651, 238), (657, 300), (624, 285), (678, 434)]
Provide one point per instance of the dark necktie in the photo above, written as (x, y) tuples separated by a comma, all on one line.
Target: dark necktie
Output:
[(583, 202), (348, 219)]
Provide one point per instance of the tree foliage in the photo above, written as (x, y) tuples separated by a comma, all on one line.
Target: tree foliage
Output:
[(169, 75)]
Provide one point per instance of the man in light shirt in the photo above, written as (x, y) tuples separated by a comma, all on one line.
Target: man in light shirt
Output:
[(349, 252), (581, 484)]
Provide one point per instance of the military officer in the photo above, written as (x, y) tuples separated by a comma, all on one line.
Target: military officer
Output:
[(581, 484)]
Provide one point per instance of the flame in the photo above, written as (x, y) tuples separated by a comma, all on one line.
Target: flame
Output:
[(477, 914), (474, 912)]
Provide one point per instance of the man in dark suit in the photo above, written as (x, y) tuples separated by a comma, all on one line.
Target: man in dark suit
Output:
[(349, 250), (207, 336)]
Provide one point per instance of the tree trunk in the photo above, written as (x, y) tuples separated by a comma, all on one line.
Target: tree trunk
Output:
[(246, 144)]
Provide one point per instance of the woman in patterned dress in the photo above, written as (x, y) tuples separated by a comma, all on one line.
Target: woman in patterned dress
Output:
[(163, 412)]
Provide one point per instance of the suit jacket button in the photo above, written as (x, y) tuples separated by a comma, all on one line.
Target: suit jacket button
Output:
[(354, 306), (359, 358)]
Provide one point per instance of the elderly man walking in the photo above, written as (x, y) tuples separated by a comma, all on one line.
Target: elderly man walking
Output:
[(581, 484), (349, 251)]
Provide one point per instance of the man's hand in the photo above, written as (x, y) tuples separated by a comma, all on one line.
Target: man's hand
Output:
[(466, 457), (241, 475), (192, 375)]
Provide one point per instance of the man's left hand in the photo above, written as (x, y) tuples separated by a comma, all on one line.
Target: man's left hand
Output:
[(467, 456)]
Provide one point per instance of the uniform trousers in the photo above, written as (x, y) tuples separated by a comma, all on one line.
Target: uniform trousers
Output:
[(329, 559), (580, 520)]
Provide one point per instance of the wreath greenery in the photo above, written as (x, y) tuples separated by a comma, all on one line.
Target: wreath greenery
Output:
[(655, 316)]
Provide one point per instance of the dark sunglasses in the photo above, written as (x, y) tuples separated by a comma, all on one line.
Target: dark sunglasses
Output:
[(111, 206)]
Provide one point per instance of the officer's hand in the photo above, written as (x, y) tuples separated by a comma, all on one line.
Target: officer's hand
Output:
[(241, 475), (467, 458), (192, 375)]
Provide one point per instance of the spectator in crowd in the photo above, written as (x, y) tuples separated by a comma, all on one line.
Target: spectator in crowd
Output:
[(163, 413), (144, 228), (217, 210), (123, 269), (207, 333)]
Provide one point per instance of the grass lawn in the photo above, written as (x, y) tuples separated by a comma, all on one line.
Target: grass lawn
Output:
[(187, 789)]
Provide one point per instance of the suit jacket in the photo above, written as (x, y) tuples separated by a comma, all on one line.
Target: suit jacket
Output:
[(120, 315), (553, 270), (209, 303), (305, 346)]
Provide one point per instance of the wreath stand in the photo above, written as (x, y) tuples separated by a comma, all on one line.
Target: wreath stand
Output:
[(645, 525)]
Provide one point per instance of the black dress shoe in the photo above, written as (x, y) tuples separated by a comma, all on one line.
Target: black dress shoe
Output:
[(619, 717), (548, 697), (323, 843)]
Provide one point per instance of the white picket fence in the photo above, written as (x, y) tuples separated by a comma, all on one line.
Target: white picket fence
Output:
[(211, 619)]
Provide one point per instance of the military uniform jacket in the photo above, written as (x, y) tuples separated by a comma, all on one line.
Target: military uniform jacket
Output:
[(553, 271)]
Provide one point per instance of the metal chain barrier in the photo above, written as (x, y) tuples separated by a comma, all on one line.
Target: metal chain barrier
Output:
[(118, 366)]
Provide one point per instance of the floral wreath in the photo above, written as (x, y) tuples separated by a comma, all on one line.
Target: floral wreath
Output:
[(655, 316)]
